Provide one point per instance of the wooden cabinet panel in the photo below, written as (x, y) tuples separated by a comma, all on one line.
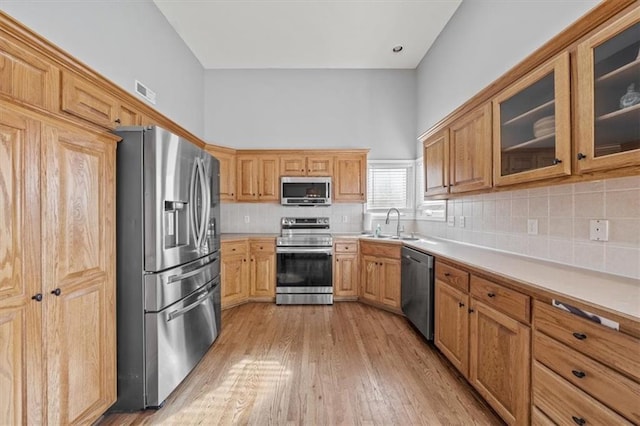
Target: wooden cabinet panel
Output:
[(128, 116), (380, 278), (345, 275), (470, 151), (614, 349), (499, 359), (350, 178), (320, 165), (234, 274), (453, 276), (603, 383), (263, 268), (268, 178), (436, 164), (310, 165), (227, 161), (369, 281), (390, 283), (79, 229), (391, 250), (247, 178), (567, 405), (85, 100), (13, 368), (452, 325), (293, 165), (27, 77), (511, 302)]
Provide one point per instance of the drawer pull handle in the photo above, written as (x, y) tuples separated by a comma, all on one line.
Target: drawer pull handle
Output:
[(579, 374), (447, 274), (491, 294), (460, 304), (580, 336), (578, 420)]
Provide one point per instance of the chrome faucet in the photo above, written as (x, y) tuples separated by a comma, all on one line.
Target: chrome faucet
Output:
[(387, 220)]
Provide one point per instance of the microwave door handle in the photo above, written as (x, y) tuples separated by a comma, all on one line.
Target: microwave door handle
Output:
[(192, 198)]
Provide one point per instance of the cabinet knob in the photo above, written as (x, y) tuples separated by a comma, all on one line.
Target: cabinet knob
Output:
[(308, 170), (579, 336), (37, 297), (557, 161), (579, 374), (471, 311), (578, 420), (57, 292), (491, 294), (581, 156), (460, 304), (118, 120), (447, 274)]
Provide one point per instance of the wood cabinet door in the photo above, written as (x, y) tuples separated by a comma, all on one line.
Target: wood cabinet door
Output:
[(83, 99), (390, 283), (78, 282), (20, 276), (436, 164), (452, 325), (26, 76), (268, 178), (293, 165), (608, 135), (345, 281), (350, 178), (499, 362), (247, 178), (320, 165), (370, 279), (234, 273), (470, 151), (227, 172), (127, 116), (263, 275)]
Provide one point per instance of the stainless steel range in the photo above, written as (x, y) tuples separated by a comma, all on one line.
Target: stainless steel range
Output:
[(304, 253)]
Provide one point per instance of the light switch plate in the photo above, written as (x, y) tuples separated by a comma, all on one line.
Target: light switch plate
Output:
[(461, 222), (247, 219), (532, 226), (451, 221), (599, 230)]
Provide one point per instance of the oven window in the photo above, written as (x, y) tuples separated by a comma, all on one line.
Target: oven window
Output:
[(304, 270)]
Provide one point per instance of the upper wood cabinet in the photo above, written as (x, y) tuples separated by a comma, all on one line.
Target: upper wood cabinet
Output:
[(312, 165), (26, 76), (57, 291), (257, 177), (470, 151), (436, 163), (268, 178), (350, 178), (83, 99), (227, 159), (608, 89), (532, 126)]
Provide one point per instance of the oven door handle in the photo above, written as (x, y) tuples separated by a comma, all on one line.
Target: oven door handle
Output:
[(310, 250)]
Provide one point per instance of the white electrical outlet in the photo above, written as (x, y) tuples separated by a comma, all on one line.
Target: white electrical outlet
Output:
[(345, 219), (247, 219), (599, 230), (532, 226), (451, 221), (461, 222)]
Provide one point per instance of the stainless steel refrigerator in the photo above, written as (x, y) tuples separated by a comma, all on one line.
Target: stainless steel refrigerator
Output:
[(168, 262)]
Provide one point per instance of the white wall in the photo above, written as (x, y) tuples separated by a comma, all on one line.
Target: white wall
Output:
[(313, 109), (483, 40), (123, 41)]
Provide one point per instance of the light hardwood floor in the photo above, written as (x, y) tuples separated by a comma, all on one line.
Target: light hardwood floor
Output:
[(343, 364)]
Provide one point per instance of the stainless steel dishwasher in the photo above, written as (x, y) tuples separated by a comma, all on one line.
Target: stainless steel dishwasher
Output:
[(417, 290)]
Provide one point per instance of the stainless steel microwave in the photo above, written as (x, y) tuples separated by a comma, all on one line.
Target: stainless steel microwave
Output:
[(305, 191)]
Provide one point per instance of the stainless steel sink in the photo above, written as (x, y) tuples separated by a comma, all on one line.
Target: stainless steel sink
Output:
[(405, 238)]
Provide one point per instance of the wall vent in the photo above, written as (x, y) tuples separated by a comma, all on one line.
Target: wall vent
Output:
[(145, 92)]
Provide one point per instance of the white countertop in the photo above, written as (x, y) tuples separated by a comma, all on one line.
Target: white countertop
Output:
[(606, 290)]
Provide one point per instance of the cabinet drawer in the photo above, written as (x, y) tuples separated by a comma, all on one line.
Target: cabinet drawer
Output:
[(604, 384), (391, 250), (452, 276), (262, 246), (346, 247), (511, 302), (233, 247), (614, 349), (563, 403)]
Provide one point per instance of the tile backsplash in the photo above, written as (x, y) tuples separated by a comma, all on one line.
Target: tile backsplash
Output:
[(500, 220)]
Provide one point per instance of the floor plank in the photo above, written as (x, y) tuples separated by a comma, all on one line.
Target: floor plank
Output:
[(344, 364)]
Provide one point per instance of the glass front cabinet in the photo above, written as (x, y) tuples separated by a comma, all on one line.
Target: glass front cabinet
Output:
[(532, 126), (608, 108)]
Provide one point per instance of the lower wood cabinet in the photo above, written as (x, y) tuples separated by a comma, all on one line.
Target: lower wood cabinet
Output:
[(248, 271), (57, 286), (483, 340), (346, 272), (380, 274)]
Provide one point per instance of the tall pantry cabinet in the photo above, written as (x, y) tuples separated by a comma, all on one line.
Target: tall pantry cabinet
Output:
[(57, 286)]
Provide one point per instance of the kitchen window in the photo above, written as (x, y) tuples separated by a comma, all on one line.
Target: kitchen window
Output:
[(390, 183)]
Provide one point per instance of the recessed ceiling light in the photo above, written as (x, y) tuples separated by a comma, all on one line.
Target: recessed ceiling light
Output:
[(397, 49)]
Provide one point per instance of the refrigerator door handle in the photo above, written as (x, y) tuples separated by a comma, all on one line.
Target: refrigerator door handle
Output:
[(192, 199), (205, 207)]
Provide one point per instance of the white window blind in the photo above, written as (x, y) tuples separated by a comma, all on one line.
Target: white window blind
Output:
[(389, 185)]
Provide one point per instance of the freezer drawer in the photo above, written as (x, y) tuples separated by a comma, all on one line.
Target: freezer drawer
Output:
[(177, 338)]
